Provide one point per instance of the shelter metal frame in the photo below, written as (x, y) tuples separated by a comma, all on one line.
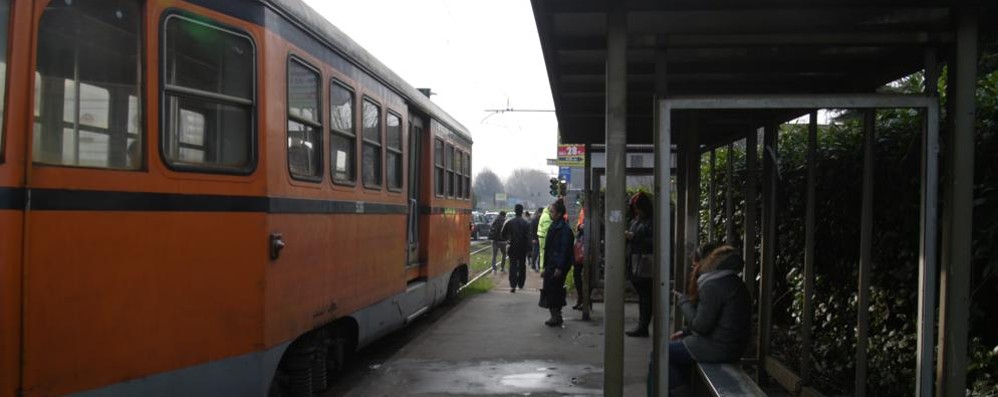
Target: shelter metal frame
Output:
[(928, 261)]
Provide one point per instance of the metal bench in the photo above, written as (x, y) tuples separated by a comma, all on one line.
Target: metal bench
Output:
[(724, 380)]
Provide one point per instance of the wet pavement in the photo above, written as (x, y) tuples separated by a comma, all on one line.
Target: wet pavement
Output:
[(494, 344)]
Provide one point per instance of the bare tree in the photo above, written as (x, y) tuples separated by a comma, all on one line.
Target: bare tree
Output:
[(486, 185), (529, 186)]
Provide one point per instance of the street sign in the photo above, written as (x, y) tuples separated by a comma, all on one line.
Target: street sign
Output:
[(565, 174), (552, 161), (571, 155)]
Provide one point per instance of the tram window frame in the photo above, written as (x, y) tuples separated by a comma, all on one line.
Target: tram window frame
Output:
[(397, 152), (4, 77), (350, 135), (167, 91), (379, 163), (449, 165), (107, 117), (317, 125), (458, 157), (467, 176), (440, 185)]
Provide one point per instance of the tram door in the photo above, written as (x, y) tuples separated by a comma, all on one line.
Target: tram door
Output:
[(415, 184)]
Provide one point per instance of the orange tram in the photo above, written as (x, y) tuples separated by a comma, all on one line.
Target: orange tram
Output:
[(217, 198)]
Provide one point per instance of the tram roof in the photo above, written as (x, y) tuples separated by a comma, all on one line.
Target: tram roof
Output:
[(732, 47), (324, 31)]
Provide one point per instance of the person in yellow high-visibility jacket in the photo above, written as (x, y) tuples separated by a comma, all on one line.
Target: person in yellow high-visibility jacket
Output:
[(542, 231)]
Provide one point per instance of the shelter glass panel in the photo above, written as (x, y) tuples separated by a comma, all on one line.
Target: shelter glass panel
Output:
[(86, 84), (342, 141), (209, 96)]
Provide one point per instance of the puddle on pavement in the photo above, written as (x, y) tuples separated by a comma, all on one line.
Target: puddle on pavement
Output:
[(522, 378)]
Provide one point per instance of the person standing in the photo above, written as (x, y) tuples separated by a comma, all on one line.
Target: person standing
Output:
[(640, 251), (542, 231), (498, 244), (558, 260), (516, 231), (535, 259)]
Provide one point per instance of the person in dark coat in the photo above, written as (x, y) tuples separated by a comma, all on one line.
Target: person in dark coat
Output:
[(498, 244), (517, 232), (558, 258), (640, 249), (717, 308)]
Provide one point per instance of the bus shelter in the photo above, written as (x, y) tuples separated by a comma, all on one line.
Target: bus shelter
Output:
[(700, 75)]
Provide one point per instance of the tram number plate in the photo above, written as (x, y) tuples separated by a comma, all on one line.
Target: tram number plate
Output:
[(360, 207)]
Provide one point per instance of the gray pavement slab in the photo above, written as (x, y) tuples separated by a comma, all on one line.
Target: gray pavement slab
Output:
[(495, 344)]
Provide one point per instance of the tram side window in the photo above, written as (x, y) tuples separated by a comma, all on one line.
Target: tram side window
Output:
[(467, 176), (342, 140), (449, 161), (208, 97), (4, 22), (459, 191), (371, 149), (87, 108), (438, 162), (304, 122), (394, 165)]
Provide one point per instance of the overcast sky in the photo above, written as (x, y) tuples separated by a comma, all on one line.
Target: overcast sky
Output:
[(475, 55)]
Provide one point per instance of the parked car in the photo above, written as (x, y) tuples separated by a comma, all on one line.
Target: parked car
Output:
[(480, 227)]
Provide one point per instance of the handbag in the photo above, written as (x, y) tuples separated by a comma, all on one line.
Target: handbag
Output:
[(643, 265), (580, 252)]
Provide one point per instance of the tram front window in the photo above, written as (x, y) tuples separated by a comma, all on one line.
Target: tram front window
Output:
[(87, 110)]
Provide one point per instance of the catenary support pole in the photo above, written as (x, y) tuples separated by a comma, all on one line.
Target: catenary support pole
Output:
[(663, 222), (616, 146), (865, 253), (958, 191), (768, 262), (808, 312)]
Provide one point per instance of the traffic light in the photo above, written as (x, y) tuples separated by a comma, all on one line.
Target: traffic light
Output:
[(555, 186), (562, 188)]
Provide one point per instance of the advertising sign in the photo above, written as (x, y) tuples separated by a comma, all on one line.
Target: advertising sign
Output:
[(571, 155)]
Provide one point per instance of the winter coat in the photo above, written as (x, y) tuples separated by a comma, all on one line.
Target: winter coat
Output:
[(558, 254), (517, 232), (641, 243), (495, 232), (719, 323)]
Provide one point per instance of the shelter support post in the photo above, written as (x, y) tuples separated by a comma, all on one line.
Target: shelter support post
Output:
[(865, 253), (927, 299), (808, 311), (768, 243), (711, 195), (729, 199), (751, 211), (679, 271), (958, 207), (587, 264), (663, 167), (663, 215), (692, 215), (616, 147)]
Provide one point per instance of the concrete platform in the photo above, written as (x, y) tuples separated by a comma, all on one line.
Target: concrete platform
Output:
[(494, 344)]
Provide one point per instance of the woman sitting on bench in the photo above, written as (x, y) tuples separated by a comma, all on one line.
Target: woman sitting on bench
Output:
[(717, 309)]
